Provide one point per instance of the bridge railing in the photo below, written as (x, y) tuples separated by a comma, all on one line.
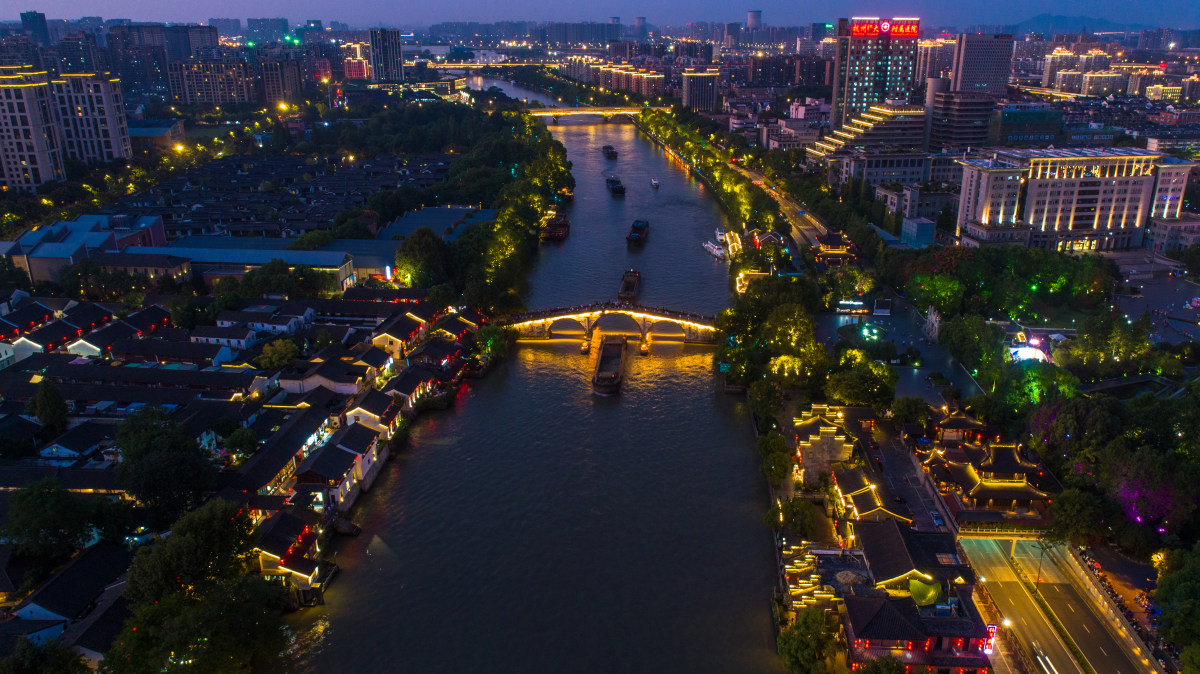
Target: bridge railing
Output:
[(660, 312)]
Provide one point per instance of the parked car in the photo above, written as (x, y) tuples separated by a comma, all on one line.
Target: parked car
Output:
[(937, 518)]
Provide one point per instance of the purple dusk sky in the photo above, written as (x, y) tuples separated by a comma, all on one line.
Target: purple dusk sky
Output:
[(367, 13)]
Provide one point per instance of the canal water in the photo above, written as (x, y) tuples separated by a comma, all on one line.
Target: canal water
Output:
[(538, 528)]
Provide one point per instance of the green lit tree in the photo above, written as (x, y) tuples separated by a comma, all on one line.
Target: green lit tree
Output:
[(805, 645)]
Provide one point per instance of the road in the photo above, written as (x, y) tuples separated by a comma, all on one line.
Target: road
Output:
[(805, 226), (990, 561), (1075, 611), (1103, 651)]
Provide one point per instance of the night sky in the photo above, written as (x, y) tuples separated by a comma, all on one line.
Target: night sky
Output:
[(366, 13)]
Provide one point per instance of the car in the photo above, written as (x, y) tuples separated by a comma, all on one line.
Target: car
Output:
[(937, 518)]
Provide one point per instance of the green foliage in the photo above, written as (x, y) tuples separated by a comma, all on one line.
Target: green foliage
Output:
[(278, 278), (1178, 595), (765, 397), (799, 516), (85, 281), (11, 276), (242, 443), (1076, 516), (49, 406), (162, 467), (205, 546), (278, 354), (1110, 346), (863, 382), (197, 603), (883, 665), (806, 645), (910, 410), (51, 656), (978, 345), (797, 358), (421, 259), (491, 341), (46, 522)]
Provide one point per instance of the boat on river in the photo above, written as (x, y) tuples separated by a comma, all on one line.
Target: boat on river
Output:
[(609, 151), (615, 186), (631, 284), (654, 183), (610, 365), (556, 229), (720, 236), (714, 250), (638, 232)]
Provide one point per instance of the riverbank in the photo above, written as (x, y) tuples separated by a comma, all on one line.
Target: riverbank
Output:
[(554, 526)]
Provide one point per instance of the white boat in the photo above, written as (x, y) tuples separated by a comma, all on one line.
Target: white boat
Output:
[(720, 236), (714, 250), (654, 183)]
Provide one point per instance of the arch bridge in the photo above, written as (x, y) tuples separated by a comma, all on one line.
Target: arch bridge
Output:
[(606, 113), (540, 324)]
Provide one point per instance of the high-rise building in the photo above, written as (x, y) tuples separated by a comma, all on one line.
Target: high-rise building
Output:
[(91, 112), (1070, 200), (227, 27), (281, 80), (182, 42), (639, 27), (210, 81), (34, 23), (959, 120), (887, 126), (982, 63), (754, 19), (30, 143), (387, 55), (1059, 59), (356, 60), (733, 35), (935, 58), (1104, 83), (875, 62), (79, 53), (266, 30), (700, 90)]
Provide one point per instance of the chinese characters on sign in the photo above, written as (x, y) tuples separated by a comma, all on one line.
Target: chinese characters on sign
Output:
[(875, 27)]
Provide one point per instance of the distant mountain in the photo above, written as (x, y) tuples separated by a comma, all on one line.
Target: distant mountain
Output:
[(1056, 23)]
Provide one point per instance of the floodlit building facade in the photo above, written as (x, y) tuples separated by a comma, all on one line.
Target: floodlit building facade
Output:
[(700, 90), (1071, 200), (875, 62)]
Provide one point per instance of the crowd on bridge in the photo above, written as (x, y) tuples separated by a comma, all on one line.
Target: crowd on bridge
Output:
[(611, 306)]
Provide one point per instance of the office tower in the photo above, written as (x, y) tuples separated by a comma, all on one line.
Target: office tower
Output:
[(982, 63), (754, 19), (184, 41), (266, 30), (20, 50), (639, 27), (34, 23), (91, 111), (733, 35), (874, 63), (820, 31), (1059, 59), (227, 27), (79, 53), (933, 87), (700, 90), (210, 81), (959, 120), (935, 58), (387, 55), (356, 60), (1072, 200), (1093, 61), (614, 20), (339, 26), (30, 143), (281, 80)]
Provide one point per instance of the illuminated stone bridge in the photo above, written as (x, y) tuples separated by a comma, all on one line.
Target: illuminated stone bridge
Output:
[(646, 322), (606, 113)]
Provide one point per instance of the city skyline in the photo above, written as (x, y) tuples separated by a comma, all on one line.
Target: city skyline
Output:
[(1170, 13)]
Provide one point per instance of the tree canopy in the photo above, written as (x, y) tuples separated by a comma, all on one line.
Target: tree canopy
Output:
[(162, 466)]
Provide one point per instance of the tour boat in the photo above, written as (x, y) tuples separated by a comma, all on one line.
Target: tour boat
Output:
[(638, 232), (654, 183), (609, 151), (714, 250), (610, 362), (631, 283), (615, 186), (720, 236), (556, 230), (585, 347)]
